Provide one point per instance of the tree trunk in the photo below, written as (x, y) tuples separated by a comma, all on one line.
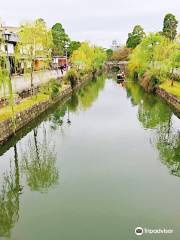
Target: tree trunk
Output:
[(172, 78), (32, 69)]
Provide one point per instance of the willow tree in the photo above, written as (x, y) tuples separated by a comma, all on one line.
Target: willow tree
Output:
[(88, 58), (5, 81), (35, 41), (151, 56), (174, 59)]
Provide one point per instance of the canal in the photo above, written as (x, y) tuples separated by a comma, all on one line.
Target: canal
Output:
[(94, 168)]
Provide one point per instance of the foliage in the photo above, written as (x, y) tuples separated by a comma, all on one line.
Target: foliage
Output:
[(54, 88), (35, 41), (151, 56), (6, 112), (109, 53), (175, 90), (73, 46), (135, 37), (170, 26), (121, 54), (88, 58), (60, 39), (5, 81), (72, 77)]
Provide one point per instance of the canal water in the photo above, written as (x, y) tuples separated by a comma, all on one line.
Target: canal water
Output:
[(95, 168)]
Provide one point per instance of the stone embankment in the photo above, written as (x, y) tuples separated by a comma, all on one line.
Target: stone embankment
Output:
[(7, 127), (169, 98)]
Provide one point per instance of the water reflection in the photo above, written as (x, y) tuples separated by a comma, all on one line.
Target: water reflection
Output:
[(168, 144), (9, 197), (89, 93), (37, 160), (83, 99), (155, 114), (39, 164), (151, 111)]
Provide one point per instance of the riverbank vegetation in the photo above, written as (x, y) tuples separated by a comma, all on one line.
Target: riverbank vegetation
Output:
[(155, 59), (86, 59), (36, 41)]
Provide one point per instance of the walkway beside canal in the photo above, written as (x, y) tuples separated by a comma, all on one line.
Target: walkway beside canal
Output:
[(22, 82)]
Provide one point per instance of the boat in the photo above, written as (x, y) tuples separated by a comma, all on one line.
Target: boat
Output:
[(120, 77)]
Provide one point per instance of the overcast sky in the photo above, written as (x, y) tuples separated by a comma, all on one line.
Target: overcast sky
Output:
[(99, 21)]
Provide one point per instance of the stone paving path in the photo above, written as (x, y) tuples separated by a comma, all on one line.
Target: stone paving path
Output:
[(20, 83)]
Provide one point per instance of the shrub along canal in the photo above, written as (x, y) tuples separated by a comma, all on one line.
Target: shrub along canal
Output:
[(94, 168)]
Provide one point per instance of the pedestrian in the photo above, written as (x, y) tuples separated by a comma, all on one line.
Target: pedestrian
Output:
[(62, 69)]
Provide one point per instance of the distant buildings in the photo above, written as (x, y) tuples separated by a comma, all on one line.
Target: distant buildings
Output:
[(115, 45)]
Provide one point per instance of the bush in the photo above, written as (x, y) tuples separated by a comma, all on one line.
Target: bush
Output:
[(51, 88), (72, 77), (54, 88)]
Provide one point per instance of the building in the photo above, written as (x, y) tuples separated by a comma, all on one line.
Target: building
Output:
[(10, 37), (58, 61)]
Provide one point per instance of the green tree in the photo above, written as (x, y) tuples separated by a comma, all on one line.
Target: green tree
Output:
[(121, 54), (88, 58), (109, 53), (5, 80), (135, 37), (151, 56), (174, 59), (170, 26), (73, 46), (60, 39), (34, 41)]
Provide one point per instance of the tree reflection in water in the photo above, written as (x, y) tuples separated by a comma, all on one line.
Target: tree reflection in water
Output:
[(84, 98), (155, 114), (9, 198), (168, 144), (38, 164)]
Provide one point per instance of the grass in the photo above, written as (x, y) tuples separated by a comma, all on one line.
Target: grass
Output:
[(6, 112), (175, 89)]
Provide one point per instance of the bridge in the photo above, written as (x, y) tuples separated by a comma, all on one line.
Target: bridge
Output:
[(120, 64)]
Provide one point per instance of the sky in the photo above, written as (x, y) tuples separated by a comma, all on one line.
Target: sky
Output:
[(97, 21)]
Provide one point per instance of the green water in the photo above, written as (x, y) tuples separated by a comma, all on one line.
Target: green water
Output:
[(93, 169)]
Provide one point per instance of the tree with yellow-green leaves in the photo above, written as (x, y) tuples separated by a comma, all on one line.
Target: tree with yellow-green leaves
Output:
[(5, 81), (155, 55), (88, 58), (35, 41)]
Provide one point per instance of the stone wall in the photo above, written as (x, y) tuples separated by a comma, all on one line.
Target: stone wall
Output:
[(23, 118), (171, 99), (146, 84)]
